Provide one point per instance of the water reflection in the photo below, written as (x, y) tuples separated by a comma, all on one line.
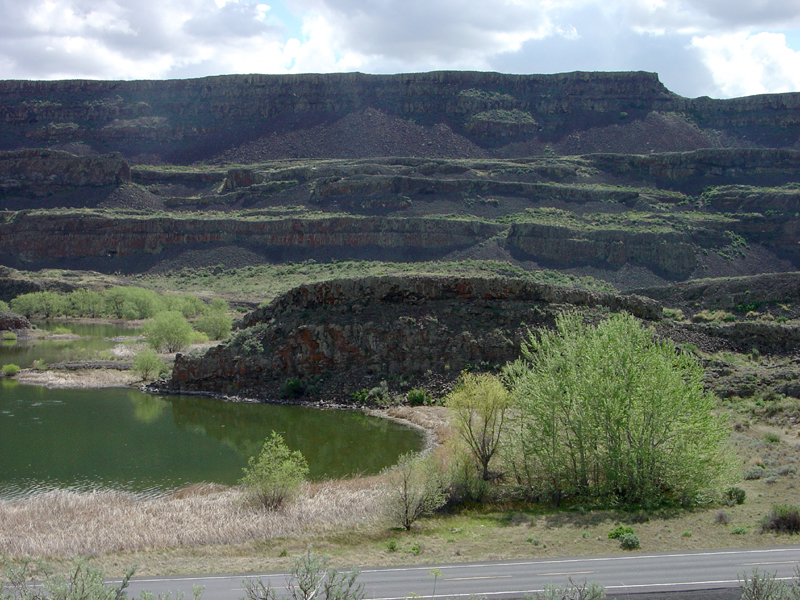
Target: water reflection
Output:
[(123, 439), (146, 408)]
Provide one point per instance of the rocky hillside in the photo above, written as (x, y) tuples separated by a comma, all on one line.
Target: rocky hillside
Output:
[(632, 220), (337, 338), (251, 118)]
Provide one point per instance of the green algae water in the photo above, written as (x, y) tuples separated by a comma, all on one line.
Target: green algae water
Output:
[(126, 440)]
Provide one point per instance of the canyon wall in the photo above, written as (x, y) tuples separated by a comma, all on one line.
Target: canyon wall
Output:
[(186, 120)]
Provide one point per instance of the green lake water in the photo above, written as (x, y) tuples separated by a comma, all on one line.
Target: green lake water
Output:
[(123, 439)]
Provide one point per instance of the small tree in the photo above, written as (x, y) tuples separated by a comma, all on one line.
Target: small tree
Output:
[(276, 475), (417, 487), (478, 406), (168, 331), (146, 363)]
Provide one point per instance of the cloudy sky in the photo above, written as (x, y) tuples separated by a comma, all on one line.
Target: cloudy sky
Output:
[(719, 48)]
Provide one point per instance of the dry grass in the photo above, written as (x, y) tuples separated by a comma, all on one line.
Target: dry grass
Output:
[(64, 524), (90, 378)]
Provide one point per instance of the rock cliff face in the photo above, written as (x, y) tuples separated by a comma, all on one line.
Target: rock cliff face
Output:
[(186, 120), (342, 336), (13, 322)]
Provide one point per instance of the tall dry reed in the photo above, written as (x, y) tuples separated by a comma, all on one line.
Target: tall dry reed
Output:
[(64, 524)]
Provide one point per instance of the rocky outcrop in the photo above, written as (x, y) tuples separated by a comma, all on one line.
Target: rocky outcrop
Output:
[(344, 335), (13, 322), (671, 253), (45, 172)]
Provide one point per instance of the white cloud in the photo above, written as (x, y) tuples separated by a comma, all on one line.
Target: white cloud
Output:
[(713, 47), (743, 64)]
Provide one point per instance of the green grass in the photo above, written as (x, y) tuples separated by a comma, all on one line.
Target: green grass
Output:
[(266, 282)]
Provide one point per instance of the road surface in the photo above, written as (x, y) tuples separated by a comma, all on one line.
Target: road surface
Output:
[(654, 575)]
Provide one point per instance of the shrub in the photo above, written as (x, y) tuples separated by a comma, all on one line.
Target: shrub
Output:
[(4, 306), (734, 496), (756, 472), (61, 330), (772, 438), (783, 518), (629, 541), (619, 531), (417, 397), (215, 324), (168, 331), (572, 591), (147, 363), (416, 488), (10, 370), (310, 579), (762, 586), (275, 476), (9, 336), (722, 518), (293, 388), (739, 530)]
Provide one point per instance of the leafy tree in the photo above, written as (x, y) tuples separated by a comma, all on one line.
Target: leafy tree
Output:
[(147, 363), (168, 331), (609, 412), (86, 303), (276, 475), (45, 304), (215, 324), (478, 406), (417, 487)]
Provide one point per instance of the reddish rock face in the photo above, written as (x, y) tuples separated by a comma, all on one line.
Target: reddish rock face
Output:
[(13, 322), (341, 336)]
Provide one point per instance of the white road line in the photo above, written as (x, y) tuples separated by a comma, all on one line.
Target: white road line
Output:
[(485, 577)]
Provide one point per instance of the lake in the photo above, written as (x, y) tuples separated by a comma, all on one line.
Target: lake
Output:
[(123, 439)]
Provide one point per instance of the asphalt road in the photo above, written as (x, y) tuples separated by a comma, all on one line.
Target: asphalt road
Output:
[(712, 574)]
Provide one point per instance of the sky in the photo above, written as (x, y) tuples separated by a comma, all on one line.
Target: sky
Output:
[(717, 48)]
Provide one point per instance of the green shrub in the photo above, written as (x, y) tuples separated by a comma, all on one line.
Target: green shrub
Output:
[(9, 336), (168, 331), (734, 496), (293, 388), (783, 518), (739, 530), (619, 531), (417, 397), (10, 370), (4, 306), (275, 476), (629, 541), (215, 324), (772, 438), (147, 363), (61, 330)]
